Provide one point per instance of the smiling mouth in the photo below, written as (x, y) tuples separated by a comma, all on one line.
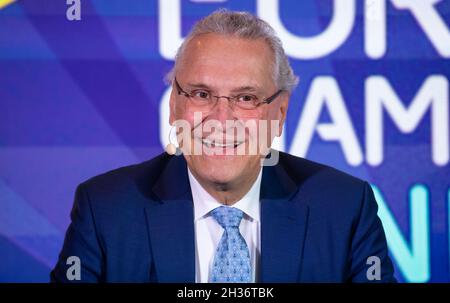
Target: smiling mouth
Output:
[(212, 144)]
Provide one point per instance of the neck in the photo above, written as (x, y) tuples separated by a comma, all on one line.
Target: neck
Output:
[(231, 192)]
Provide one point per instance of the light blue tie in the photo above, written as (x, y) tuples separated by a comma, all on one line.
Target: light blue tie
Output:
[(232, 259)]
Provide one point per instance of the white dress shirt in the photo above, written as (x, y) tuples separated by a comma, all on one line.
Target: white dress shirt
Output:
[(208, 232)]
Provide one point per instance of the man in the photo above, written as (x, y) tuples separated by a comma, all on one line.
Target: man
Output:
[(219, 215)]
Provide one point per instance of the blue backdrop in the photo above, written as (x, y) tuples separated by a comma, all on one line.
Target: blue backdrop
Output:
[(79, 97)]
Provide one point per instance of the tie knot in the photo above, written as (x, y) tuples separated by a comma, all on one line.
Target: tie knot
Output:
[(227, 216)]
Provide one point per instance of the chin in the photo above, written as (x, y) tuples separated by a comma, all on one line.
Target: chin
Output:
[(218, 169)]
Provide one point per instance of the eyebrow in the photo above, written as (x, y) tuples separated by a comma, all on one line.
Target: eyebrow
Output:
[(246, 88), (198, 85)]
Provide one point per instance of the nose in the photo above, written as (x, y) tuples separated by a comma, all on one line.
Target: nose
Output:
[(222, 110)]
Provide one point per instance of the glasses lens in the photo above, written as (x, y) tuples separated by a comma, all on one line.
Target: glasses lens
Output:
[(246, 101), (201, 100)]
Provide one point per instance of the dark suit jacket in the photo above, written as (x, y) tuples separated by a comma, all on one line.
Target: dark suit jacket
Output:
[(136, 224)]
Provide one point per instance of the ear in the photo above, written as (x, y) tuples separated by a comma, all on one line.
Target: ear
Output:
[(282, 112), (172, 117)]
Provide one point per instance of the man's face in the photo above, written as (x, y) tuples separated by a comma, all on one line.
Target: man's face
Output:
[(226, 66)]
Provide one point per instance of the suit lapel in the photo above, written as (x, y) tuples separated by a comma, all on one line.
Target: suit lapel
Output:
[(171, 224), (283, 227)]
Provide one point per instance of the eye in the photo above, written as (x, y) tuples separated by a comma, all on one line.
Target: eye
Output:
[(246, 98), (200, 94)]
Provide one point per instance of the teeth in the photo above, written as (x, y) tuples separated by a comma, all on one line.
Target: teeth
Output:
[(210, 144)]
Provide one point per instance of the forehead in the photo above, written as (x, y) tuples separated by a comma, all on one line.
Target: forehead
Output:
[(223, 60)]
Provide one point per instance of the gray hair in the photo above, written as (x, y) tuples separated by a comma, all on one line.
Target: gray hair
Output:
[(247, 26)]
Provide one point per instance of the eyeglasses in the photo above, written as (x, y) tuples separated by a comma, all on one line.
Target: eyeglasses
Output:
[(203, 98)]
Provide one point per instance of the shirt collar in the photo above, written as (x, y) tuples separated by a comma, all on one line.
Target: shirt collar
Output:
[(204, 203)]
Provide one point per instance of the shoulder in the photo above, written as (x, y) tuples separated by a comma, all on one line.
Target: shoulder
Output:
[(128, 180), (322, 186), (302, 170), (121, 175)]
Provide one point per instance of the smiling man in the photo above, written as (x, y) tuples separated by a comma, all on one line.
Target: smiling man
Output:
[(214, 212)]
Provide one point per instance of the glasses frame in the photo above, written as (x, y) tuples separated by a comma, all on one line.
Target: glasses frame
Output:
[(268, 100)]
